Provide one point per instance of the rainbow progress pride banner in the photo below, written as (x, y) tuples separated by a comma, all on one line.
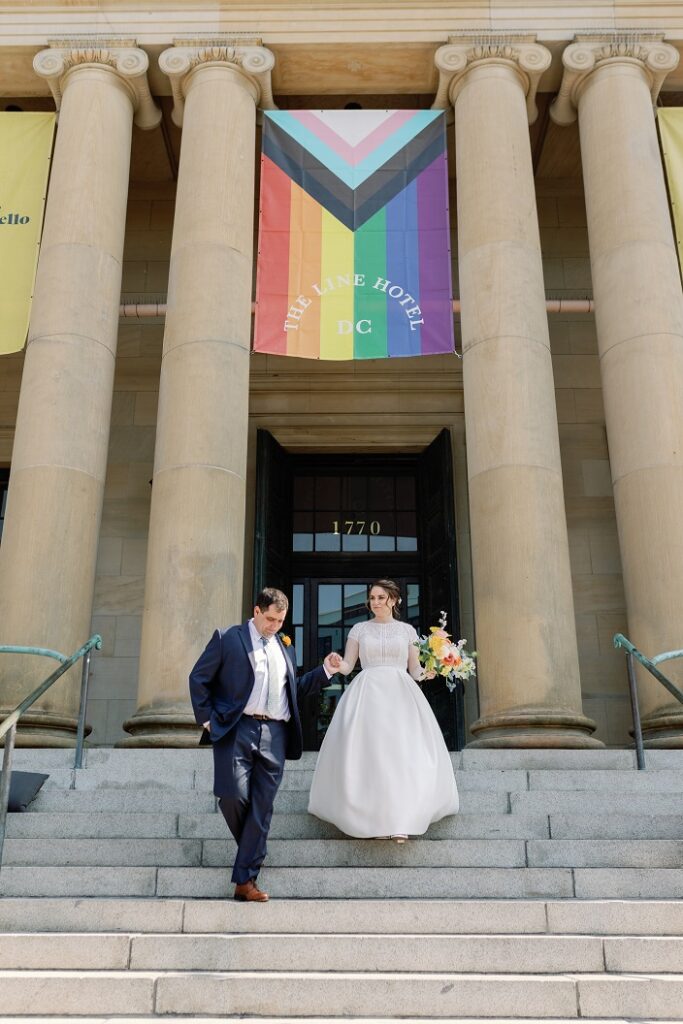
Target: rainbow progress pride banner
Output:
[(354, 243)]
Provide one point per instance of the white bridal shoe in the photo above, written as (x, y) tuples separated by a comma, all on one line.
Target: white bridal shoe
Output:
[(399, 838)]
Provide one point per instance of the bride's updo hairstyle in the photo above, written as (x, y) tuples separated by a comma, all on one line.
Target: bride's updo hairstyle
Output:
[(392, 590)]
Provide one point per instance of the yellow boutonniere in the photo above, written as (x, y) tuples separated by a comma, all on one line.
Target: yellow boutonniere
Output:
[(287, 640)]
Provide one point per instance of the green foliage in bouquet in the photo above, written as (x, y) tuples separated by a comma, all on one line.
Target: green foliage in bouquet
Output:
[(439, 655)]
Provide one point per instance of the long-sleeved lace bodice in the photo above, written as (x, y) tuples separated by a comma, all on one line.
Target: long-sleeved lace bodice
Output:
[(385, 644)]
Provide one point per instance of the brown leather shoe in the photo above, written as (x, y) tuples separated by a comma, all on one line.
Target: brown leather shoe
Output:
[(249, 892)]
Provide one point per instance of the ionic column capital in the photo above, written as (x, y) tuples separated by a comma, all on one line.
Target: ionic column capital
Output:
[(251, 61), (464, 52), (645, 51), (65, 58)]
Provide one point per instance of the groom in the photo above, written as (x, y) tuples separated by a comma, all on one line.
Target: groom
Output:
[(244, 692)]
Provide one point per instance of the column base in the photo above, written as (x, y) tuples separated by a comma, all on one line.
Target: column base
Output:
[(535, 726), (44, 729), (664, 727), (161, 728)]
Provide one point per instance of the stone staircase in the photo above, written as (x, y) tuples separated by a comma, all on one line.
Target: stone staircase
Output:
[(555, 894)]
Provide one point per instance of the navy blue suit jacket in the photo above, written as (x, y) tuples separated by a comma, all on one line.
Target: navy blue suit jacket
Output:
[(223, 678)]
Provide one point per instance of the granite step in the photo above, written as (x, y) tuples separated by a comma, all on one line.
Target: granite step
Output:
[(113, 825), (242, 1019), (295, 883), (142, 798), (395, 882), (528, 803), (506, 954), (285, 916), (195, 758), (424, 882), (299, 780), (211, 825), (486, 781), (281, 852), (156, 800), (200, 757), (266, 993), (130, 799), (628, 783), (604, 853), (593, 804), (657, 853), (588, 853), (363, 953)]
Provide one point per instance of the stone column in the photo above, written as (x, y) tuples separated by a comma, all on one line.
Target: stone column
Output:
[(613, 82), (196, 537), (529, 686), (49, 544)]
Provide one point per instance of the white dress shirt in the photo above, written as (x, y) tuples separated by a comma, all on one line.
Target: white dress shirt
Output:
[(258, 698)]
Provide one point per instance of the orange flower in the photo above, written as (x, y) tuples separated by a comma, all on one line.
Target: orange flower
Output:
[(451, 656), (287, 640)]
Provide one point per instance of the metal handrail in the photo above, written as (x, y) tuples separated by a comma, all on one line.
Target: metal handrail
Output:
[(8, 728), (651, 665)]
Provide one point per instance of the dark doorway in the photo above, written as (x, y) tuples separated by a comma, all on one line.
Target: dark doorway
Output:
[(326, 527)]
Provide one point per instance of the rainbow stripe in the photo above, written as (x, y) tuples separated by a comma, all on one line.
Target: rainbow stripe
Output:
[(354, 242)]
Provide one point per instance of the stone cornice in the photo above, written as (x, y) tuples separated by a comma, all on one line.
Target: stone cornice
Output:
[(121, 55), (243, 53), (589, 52), (463, 52)]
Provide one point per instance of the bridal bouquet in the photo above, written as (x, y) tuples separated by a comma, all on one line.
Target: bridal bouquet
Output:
[(438, 654)]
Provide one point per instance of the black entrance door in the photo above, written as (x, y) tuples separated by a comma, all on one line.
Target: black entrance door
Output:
[(326, 528)]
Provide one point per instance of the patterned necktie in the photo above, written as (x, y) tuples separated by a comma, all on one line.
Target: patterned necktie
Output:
[(274, 679)]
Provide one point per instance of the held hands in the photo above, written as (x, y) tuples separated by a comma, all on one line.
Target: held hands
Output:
[(428, 675), (332, 662)]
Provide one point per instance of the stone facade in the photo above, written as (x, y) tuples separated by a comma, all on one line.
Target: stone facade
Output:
[(290, 407), (341, 407)]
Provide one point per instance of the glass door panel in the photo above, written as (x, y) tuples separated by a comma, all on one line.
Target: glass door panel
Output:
[(297, 612), (355, 609)]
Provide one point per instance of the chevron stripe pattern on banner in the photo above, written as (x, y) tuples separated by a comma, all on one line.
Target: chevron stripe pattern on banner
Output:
[(353, 192)]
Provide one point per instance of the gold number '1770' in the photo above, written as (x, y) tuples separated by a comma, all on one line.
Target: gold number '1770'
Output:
[(356, 526)]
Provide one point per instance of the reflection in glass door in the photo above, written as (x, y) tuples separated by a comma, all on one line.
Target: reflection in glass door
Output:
[(323, 612)]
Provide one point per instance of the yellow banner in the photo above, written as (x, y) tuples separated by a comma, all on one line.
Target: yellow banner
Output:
[(670, 121), (25, 152)]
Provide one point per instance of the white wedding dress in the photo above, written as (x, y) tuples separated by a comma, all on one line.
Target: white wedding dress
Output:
[(383, 768)]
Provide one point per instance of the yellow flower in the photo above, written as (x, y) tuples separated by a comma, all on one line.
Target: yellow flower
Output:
[(287, 640), (438, 644)]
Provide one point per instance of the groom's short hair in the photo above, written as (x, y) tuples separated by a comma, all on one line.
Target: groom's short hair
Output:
[(271, 596)]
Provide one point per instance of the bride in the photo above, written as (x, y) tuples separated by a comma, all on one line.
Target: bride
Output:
[(383, 768)]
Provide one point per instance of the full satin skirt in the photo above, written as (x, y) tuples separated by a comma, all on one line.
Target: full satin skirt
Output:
[(383, 768)]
